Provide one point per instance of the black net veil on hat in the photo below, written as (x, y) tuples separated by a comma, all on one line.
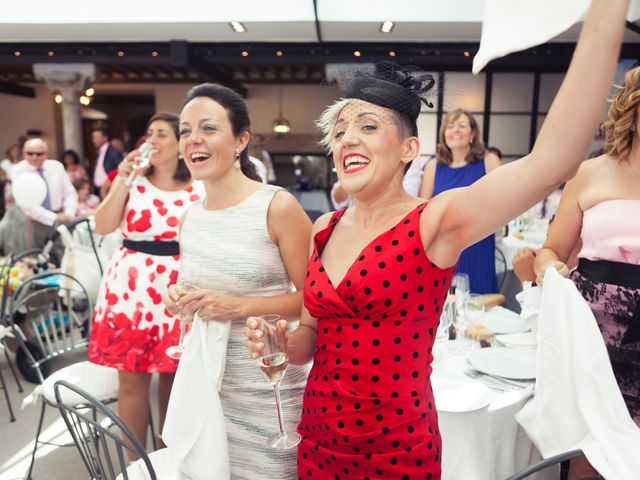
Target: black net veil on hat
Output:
[(400, 88)]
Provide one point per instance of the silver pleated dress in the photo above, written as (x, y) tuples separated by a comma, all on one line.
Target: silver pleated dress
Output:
[(231, 251)]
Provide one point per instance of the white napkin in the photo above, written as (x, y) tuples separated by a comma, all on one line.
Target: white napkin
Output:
[(577, 402), (509, 26), (194, 428)]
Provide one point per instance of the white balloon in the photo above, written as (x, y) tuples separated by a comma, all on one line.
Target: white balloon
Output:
[(29, 190)]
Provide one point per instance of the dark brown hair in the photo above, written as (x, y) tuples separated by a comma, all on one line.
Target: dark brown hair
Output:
[(476, 150), (238, 117), (182, 173)]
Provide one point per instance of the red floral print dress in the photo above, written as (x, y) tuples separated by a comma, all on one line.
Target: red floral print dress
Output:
[(368, 408), (131, 327)]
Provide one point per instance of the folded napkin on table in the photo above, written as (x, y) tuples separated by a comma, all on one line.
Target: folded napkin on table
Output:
[(509, 26), (577, 402), (194, 428)]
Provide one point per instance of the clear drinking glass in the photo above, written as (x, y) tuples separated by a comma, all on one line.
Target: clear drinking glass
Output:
[(186, 283), (461, 284), (474, 309), (273, 364)]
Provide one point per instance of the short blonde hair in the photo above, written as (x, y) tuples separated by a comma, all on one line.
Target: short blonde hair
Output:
[(621, 121), (327, 121)]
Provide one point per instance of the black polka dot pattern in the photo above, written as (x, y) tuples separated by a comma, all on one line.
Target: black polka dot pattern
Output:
[(368, 407)]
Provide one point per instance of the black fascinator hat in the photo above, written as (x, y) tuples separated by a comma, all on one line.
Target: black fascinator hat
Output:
[(392, 86)]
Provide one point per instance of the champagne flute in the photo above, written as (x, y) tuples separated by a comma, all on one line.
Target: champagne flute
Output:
[(474, 309), (186, 283), (461, 283), (141, 161), (273, 364)]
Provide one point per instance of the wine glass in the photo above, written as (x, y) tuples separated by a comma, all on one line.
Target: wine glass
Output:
[(273, 364), (461, 284), (186, 283), (474, 309)]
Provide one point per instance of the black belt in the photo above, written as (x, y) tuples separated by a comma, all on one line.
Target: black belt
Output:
[(614, 273), (153, 247)]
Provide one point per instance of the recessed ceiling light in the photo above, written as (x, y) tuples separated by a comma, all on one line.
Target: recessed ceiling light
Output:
[(154, 54), (392, 53), (17, 53), (279, 53), (120, 53), (237, 27), (244, 53), (356, 53), (466, 53), (51, 53), (386, 27)]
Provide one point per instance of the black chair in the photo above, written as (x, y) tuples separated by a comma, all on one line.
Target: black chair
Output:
[(546, 463), (56, 315), (105, 451), (501, 268)]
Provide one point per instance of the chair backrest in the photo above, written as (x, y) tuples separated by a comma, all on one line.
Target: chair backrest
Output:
[(56, 318), (501, 268), (103, 441), (546, 463)]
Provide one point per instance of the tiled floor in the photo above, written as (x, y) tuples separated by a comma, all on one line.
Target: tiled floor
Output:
[(16, 438)]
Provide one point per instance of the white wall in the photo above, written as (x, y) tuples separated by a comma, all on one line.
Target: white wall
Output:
[(20, 114)]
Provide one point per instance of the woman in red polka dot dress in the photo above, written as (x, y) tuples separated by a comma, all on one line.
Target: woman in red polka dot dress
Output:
[(379, 271), (131, 327)]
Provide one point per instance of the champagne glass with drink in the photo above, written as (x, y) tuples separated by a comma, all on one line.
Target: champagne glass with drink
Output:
[(273, 364), (186, 283)]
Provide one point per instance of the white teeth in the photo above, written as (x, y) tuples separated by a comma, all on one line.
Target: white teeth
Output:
[(354, 162), (199, 156)]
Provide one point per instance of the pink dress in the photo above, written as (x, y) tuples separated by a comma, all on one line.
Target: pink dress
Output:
[(611, 240), (131, 327)]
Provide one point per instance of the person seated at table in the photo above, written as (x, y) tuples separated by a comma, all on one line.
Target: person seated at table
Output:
[(462, 159), (411, 183), (379, 271), (601, 206)]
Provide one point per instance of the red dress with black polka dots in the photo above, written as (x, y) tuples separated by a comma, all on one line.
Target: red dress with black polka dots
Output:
[(368, 407), (131, 327)]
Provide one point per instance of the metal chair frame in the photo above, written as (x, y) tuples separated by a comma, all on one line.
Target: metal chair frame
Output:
[(46, 309), (546, 463), (96, 443)]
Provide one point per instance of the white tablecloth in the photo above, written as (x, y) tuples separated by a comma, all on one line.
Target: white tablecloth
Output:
[(510, 245), (484, 444)]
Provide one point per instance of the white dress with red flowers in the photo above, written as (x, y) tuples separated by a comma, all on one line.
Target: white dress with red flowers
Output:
[(132, 328)]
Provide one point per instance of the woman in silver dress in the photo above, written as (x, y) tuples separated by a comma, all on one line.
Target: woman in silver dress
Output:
[(249, 242)]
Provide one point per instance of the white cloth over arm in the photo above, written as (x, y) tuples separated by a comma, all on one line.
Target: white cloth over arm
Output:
[(510, 26), (577, 402), (194, 429)]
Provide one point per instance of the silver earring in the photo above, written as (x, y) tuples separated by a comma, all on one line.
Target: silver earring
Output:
[(237, 162), (633, 128), (180, 157)]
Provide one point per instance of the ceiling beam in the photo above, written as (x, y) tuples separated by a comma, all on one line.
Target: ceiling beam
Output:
[(215, 74), (16, 89)]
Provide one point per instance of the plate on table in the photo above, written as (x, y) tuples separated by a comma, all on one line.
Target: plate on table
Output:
[(517, 364), (526, 339), (502, 320), (467, 397)]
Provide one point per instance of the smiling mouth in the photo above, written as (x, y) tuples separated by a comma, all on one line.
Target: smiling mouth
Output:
[(355, 162), (199, 157)]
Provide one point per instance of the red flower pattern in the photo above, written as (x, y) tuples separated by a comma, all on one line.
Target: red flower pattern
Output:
[(132, 328)]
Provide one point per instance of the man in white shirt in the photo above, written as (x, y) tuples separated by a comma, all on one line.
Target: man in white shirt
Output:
[(61, 201), (107, 160)]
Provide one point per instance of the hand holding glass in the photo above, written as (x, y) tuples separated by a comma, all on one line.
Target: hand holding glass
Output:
[(183, 286), (273, 364)]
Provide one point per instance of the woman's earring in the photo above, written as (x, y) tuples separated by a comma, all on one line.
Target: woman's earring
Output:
[(180, 157), (237, 162), (633, 128)]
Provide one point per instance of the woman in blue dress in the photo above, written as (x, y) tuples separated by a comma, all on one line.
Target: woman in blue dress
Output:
[(461, 159)]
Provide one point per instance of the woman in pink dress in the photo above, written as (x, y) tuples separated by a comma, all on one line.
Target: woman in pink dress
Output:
[(600, 206), (132, 328)]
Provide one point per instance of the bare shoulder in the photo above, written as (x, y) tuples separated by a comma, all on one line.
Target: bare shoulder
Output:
[(322, 222), (491, 161), (283, 204)]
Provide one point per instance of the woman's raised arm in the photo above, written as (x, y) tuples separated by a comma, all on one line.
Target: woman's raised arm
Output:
[(464, 216)]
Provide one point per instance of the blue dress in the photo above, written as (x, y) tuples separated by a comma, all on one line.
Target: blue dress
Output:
[(478, 261)]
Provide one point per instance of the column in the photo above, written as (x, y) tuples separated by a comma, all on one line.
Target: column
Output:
[(69, 80)]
